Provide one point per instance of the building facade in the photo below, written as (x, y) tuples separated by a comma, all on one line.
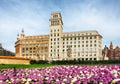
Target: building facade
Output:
[(111, 53), (34, 47), (59, 45), (4, 52)]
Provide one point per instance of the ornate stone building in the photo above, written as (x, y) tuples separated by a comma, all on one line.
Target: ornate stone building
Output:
[(34, 47), (59, 45), (111, 53)]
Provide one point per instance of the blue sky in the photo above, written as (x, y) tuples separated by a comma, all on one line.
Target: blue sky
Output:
[(33, 16)]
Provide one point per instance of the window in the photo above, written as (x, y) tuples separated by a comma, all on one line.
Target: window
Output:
[(74, 45), (90, 37), (95, 59), (58, 39), (57, 34), (95, 41), (86, 45), (71, 38), (82, 41), (54, 39), (78, 45), (82, 45), (95, 45), (74, 38), (86, 58), (22, 49), (83, 59), (86, 41), (30, 48), (90, 58), (90, 45), (78, 38), (51, 46), (51, 39), (34, 48), (54, 34), (82, 38)]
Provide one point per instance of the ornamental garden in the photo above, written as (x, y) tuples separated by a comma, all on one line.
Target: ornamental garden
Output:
[(62, 74)]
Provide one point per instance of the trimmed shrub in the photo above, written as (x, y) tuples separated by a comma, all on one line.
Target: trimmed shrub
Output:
[(72, 62)]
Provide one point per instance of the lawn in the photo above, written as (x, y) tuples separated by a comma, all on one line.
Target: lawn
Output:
[(24, 66)]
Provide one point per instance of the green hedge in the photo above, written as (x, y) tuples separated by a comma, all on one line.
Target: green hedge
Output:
[(69, 62), (38, 62)]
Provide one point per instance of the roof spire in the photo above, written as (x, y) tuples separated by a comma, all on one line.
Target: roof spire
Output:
[(111, 45), (22, 30), (18, 34)]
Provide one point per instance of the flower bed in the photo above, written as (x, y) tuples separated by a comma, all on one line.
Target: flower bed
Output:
[(107, 74)]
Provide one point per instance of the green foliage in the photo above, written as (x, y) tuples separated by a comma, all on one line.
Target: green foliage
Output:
[(41, 63), (69, 62), (72, 62), (38, 62)]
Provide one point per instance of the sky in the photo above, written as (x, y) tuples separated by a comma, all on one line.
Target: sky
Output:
[(81, 15)]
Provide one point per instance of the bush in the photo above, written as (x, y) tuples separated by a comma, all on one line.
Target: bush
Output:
[(38, 62), (72, 62)]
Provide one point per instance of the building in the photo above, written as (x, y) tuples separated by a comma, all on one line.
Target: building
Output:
[(59, 45), (35, 47), (4, 52), (111, 53), (1, 49)]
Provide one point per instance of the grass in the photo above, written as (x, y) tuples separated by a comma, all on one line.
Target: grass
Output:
[(24, 66), (5, 66)]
